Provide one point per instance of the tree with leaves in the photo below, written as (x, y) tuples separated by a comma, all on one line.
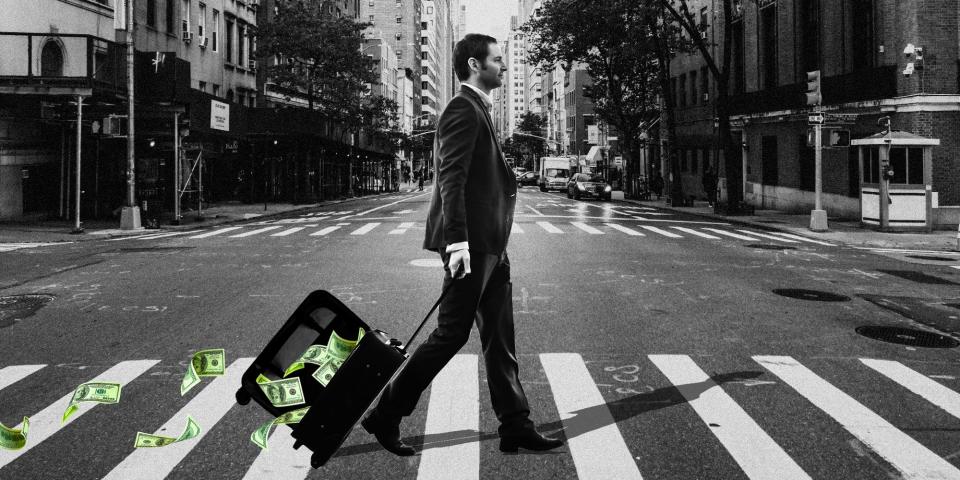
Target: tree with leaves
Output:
[(618, 50), (527, 142)]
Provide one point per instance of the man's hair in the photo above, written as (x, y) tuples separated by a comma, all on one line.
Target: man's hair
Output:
[(474, 45)]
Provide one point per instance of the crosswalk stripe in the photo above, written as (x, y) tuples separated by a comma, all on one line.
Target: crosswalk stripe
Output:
[(596, 445), (628, 231), (913, 460), (280, 460), (764, 235), (131, 237), (586, 228), (549, 227), (207, 408), (694, 232), (918, 383), (216, 232), (164, 235), (400, 230), (454, 407), (325, 231), (955, 266), (255, 232), (757, 454), (286, 232), (516, 228), (365, 229), (661, 231), (731, 234), (15, 373), (801, 238), (47, 421)]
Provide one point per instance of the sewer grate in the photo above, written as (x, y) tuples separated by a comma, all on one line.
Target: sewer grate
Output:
[(767, 246), (907, 336), (18, 307), (918, 277), (812, 295), (933, 257)]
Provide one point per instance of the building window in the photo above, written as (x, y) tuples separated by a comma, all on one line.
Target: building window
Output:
[(216, 90), (810, 43), (152, 13), (169, 20), (241, 39), (399, 19), (862, 34), (768, 46), (203, 86), (705, 84), (201, 23), (51, 60), (429, 10), (694, 97), (216, 30), (423, 40), (423, 55), (424, 85), (371, 19), (228, 32)]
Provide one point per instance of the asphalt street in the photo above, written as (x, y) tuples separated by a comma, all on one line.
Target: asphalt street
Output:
[(660, 345)]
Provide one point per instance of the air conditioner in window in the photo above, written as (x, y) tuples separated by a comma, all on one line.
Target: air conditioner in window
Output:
[(187, 37), (204, 42), (706, 97), (252, 64)]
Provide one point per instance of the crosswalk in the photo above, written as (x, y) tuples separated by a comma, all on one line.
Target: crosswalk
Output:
[(551, 228), (596, 440), (9, 247)]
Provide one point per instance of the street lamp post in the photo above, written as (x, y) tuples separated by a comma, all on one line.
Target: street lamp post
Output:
[(130, 214)]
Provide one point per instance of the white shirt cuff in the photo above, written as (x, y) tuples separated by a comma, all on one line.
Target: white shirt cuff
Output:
[(453, 247)]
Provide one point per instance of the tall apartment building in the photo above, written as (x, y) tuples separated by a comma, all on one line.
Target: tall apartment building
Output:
[(398, 23), (858, 46), (516, 77), (436, 57)]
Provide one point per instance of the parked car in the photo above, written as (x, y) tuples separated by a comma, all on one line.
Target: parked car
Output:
[(527, 179), (588, 185)]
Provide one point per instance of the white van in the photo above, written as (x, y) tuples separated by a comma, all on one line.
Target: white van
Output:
[(554, 173)]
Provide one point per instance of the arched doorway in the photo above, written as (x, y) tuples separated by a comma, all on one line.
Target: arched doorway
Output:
[(51, 60)]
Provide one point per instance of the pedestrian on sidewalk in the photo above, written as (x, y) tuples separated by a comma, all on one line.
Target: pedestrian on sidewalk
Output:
[(468, 224), (420, 182), (657, 185), (709, 182)]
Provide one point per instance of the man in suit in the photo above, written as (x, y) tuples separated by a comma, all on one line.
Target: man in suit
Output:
[(469, 222)]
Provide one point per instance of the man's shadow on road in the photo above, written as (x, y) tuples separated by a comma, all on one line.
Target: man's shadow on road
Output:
[(583, 421)]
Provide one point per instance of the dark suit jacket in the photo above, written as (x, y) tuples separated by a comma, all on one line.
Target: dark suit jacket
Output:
[(476, 192)]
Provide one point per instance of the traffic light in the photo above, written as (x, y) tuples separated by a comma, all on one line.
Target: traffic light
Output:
[(839, 138), (813, 88)]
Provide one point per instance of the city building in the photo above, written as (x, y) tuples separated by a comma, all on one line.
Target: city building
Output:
[(515, 79), (436, 57), (398, 23), (871, 72)]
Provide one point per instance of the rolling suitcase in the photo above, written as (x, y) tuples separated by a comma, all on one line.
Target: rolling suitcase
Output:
[(336, 408)]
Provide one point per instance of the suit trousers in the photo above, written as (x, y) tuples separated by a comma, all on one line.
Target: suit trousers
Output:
[(486, 295)]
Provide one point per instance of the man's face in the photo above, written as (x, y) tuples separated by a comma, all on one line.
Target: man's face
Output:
[(491, 69)]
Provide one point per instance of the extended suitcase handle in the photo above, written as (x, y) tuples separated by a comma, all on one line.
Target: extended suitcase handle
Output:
[(435, 305)]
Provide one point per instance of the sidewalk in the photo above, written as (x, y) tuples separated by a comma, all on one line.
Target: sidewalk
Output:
[(841, 231), (51, 231)]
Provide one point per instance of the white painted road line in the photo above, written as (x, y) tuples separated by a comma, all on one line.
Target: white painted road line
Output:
[(764, 235), (454, 407), (255, 232), (909, 457), (516, 228), (15, 373), (955, 266), (216, 232), (757, 454), (731, 234), (400, 230), (694, 232), (918, 383), (596, 445), (586, 228), (164, 235), (365, 229), (661, 231), (286, 232), (628, 231), (325, 231), (802, 239), (207, 408), (47, 421), (549, 228), (280, 460)]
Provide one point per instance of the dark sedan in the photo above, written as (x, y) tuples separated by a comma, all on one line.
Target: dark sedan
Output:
[(527, 179), (585, 185)]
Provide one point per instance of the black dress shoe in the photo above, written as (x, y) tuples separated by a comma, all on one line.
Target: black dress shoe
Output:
[(529, 440), (387, 434)]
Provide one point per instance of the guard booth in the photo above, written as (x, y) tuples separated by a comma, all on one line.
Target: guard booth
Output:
[(895, 181)]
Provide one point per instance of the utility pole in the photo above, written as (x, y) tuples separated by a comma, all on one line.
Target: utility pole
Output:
[(76, 215), (818, 217), (130, 214)]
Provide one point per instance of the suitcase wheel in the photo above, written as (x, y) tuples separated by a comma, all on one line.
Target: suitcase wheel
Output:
[(316, 461), (243, 397), (297, 445)]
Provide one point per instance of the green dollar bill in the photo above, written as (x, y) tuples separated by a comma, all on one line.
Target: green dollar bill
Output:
[(149, 440), (327, 370), (340, 347), (204, 363), (14, 439), (314, 354), (261, 378), (260, 435), (100, 392), (284, 393)]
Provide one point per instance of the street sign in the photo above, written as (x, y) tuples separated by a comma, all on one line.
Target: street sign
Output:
[(840, 117), (815, 119)]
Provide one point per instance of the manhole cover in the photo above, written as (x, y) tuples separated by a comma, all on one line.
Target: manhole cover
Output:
[(918, 277), (768, 246), (813, 295), (908, 336), (18, 307), (933, 257)]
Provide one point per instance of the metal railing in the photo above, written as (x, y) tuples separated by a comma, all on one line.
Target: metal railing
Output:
[(70, 60)]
